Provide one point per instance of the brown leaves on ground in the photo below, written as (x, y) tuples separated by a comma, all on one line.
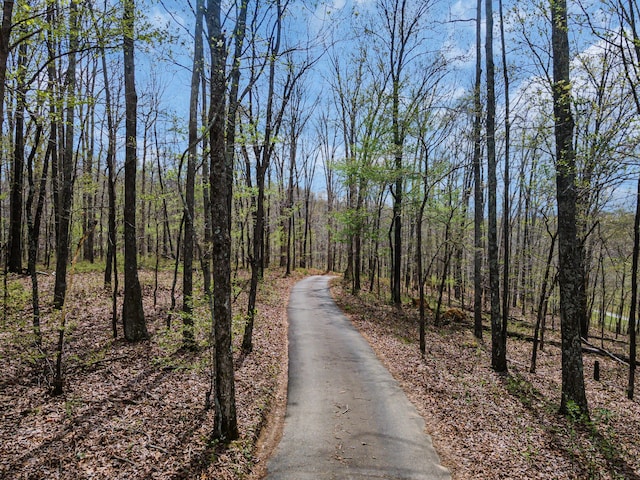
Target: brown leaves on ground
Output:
[(129, 410), (488, 426), (137, 410)]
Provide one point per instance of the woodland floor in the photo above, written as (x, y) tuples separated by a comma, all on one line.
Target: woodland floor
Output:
[(130, 411), (137, 411), (488, 426)]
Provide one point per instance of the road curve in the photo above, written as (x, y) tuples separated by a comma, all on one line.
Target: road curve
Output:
[(346, 418)]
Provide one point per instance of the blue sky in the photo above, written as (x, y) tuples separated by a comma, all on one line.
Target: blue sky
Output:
[(451, 27)]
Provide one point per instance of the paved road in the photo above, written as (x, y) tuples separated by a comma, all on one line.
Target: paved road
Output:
[(346, 418)]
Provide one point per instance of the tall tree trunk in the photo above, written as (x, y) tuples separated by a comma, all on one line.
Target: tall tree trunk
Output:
[(266, 253), (459, 291), (506, 210), (111, 264), (205, 254), (141, 215), (541, 304), (14, 262), (419, 267), (633, 322), (135, 327), (498, 350), (89, 191), (527, 247), (67, 167), (221, 184), (54, 129), (189, 208), (398, 191), (623, 295), (570, 269), (263, 160), (111, 175), (477, 180), (5, 46), (307, 260), (289, 208), (357, 238), (33, 225)]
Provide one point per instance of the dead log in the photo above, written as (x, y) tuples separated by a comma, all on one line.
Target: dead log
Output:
[(601, 351)]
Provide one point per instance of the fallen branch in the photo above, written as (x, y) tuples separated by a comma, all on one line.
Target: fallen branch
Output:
[(156, 447), (92, 365), (606, 353), (122, 459)]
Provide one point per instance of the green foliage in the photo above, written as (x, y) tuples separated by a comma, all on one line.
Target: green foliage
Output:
[(522, 389), (574, 412), (148, 262), (83, 266), (19, 297), (530, 450), (170, 341), (238, 323), (71, 404)]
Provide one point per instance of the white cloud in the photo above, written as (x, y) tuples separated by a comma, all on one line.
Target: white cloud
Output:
[(463, 9)]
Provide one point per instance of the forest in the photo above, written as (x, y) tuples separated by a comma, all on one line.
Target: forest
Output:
[(468, 169)]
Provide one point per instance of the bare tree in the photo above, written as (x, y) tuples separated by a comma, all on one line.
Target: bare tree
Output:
[(264, 151), (400, 37)]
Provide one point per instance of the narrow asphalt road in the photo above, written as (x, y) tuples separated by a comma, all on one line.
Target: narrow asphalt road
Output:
[(346, 418)]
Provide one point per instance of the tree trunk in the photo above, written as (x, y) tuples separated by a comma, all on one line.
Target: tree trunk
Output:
[(5, 47), (189, 208), (111, 175), (288, 222), (67, 167), (221, 184), (111, 264), (460, 247), (397, 198), (421, 279), (14, 261), (506, 210), (498, 343), (634, 298), (623, 294), (88, 195), (135, 327), (357, 238), (570, 269), (477, 180), (541, 305), (33, 225), (273, 121)]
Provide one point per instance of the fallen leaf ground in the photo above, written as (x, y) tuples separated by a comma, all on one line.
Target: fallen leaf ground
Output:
[(137, 411), (489, 426), (130, 411)]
